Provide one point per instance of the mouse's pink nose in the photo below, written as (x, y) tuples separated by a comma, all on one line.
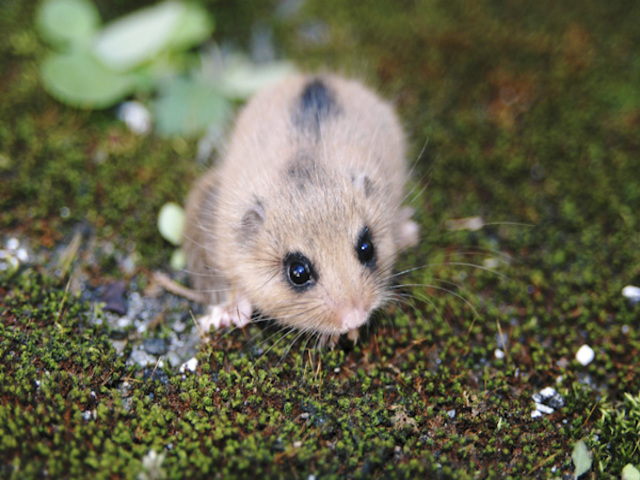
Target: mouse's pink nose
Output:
[(353, 317)]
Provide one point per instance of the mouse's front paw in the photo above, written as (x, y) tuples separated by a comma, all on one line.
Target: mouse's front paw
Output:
[(236, 313)]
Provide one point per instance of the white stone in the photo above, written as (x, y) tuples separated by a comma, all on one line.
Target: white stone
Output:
[(189, 365), (13, 243), (22, 255), (141, 358), (547, 392), (136, 116), (585, 355), (123, 322), (542, 408), (632, 293)]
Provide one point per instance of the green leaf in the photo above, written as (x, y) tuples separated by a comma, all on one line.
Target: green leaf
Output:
[(67, 22), (629, 472), (241, 78), (178, 259), (138, 37), (194, 27), (187, 107), (171, 222), (581, 459), (79, 80)]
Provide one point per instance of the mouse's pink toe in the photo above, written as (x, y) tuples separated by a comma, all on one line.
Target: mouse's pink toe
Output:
[(226, 314)]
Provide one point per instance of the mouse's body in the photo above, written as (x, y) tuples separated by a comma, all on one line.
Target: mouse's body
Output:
[(302, 220)]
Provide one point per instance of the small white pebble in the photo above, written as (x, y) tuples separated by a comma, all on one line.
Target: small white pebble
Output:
[(585, 355), (336, 370), (123, 322), (142, 358), (189, 365), (22, 255), (13, 243), (499, 354), (297, 444), (452, 413), (136, 116), (542, 408), (632, 293), (179, 326), (547, 392)]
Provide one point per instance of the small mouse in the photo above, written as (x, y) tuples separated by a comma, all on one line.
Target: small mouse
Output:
[(302, 220)]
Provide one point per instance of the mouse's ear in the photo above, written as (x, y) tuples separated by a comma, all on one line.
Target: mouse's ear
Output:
[(363, 182), (251, 222)]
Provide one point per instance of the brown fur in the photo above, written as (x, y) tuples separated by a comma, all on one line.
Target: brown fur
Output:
[(287, 185)]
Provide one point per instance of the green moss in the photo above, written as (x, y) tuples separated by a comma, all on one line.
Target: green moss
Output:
[(530, 116)]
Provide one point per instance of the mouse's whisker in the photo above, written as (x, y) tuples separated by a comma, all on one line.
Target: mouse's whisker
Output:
[(454, 287), (299, 334), (292, 311), (450, 264), (444, 289), (284, 332)]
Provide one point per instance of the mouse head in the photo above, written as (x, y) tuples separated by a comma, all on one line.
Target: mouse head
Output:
[(317, 252)]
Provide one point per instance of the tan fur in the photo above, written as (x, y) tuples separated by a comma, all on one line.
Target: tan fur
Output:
[(356, 179)]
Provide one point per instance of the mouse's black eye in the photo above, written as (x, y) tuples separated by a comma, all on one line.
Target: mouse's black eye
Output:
[(299, 271), (364, 248)]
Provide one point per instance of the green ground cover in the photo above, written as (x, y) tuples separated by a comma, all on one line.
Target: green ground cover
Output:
[(529, 115)]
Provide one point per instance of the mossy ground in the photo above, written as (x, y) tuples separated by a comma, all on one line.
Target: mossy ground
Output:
[(530, 113)]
